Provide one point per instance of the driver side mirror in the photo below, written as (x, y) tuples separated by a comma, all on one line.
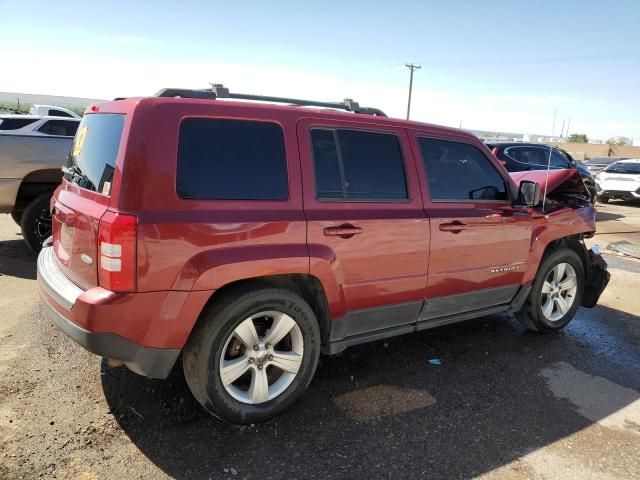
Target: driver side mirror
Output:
[(528, 193)]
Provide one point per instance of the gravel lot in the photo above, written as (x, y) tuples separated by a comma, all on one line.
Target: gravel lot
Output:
[(504, 403)]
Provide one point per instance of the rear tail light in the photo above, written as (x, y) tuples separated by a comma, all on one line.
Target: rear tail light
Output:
[(117, 252)]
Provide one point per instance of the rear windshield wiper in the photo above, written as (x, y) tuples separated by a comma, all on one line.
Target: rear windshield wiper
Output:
[(78, 177)]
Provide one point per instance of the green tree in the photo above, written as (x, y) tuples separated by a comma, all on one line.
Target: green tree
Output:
[(618, 141), (578, 138)]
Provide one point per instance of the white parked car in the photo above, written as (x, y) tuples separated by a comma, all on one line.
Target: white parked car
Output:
[(37, 125), (619, 180), (52, 111)]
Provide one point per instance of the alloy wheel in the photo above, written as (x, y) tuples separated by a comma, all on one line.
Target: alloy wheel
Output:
[(261, 357), (559, 291)]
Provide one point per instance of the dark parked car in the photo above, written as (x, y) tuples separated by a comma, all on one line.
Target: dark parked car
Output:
[(598, 164), (519, 157), (251, 237)]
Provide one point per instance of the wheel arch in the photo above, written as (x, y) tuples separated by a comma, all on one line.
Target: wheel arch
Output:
[(308, 287), (34, 184)]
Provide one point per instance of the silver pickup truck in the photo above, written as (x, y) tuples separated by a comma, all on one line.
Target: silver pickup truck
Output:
[(32, 152)]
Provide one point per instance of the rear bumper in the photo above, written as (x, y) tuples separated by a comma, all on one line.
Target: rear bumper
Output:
[(147, 361), (78, 313)]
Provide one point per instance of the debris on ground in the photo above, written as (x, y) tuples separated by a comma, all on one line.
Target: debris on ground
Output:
[(626, 248)]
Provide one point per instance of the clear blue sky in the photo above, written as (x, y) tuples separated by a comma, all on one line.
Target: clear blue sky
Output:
[(493, 65)]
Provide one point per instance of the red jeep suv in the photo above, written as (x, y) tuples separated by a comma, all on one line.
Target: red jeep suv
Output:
[(251, 237)]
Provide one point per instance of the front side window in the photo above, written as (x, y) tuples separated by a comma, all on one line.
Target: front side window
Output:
[(558, 160), (460, 172), (221, 159), (61, 128), (358, 165)]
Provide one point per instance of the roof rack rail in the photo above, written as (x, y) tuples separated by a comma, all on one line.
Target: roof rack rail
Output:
[(219, 91)]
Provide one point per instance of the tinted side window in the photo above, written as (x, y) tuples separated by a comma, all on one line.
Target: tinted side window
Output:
[(62, 128), (231, 160), (15, 123), (59, 113), (358, 165), (558, 160), (518, 154), (458, 171)]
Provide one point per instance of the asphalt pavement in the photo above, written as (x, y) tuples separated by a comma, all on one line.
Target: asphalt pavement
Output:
[(480, 399)]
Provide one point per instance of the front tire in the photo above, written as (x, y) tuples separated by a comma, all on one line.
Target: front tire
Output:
[(252, 354), (36, 222), (556, 293)]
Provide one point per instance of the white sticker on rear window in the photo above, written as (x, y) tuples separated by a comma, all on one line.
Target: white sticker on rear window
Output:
[(77, 145)]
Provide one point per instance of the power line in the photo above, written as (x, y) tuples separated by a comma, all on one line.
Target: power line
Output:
[(572, 58), (412, 67)]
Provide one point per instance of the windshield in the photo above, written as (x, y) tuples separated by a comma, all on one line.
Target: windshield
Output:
[(619, 167), (93, 155)]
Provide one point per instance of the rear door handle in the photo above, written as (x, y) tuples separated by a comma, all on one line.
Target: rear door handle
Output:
[(344, 231), (453, 227)]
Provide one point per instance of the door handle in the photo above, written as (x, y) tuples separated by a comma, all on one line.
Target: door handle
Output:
[(453, 227), (344, 231)]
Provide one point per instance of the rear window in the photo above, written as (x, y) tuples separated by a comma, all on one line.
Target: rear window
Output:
[(220, 159), (15, 123), (93, 155), (59, 113)]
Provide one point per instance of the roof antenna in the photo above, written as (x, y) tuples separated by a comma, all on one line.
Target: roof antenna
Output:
[(546, 181)]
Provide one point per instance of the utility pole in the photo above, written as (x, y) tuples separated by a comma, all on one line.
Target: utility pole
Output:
[(412, 67), (553, 130), (562, 129), (568, 123)]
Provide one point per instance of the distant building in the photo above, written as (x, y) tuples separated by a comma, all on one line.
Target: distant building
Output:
[(596, 142), (531, 138)]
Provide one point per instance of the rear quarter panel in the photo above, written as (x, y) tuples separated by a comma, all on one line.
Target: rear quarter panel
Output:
[(21, 155), (186, 244)]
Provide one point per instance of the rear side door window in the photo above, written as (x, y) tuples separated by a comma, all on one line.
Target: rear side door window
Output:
[(357, 165), (460, 172), (60, 128), (222, 159)]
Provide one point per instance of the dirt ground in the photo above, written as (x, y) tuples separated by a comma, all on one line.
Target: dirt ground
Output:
[(503, 403)]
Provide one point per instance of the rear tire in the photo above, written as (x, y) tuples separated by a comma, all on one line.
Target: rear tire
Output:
[(36, 222), (603, 199), (222, 346), (17, 216), (556, 293)]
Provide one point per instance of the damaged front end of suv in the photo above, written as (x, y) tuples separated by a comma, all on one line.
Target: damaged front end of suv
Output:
[(566, 214)]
